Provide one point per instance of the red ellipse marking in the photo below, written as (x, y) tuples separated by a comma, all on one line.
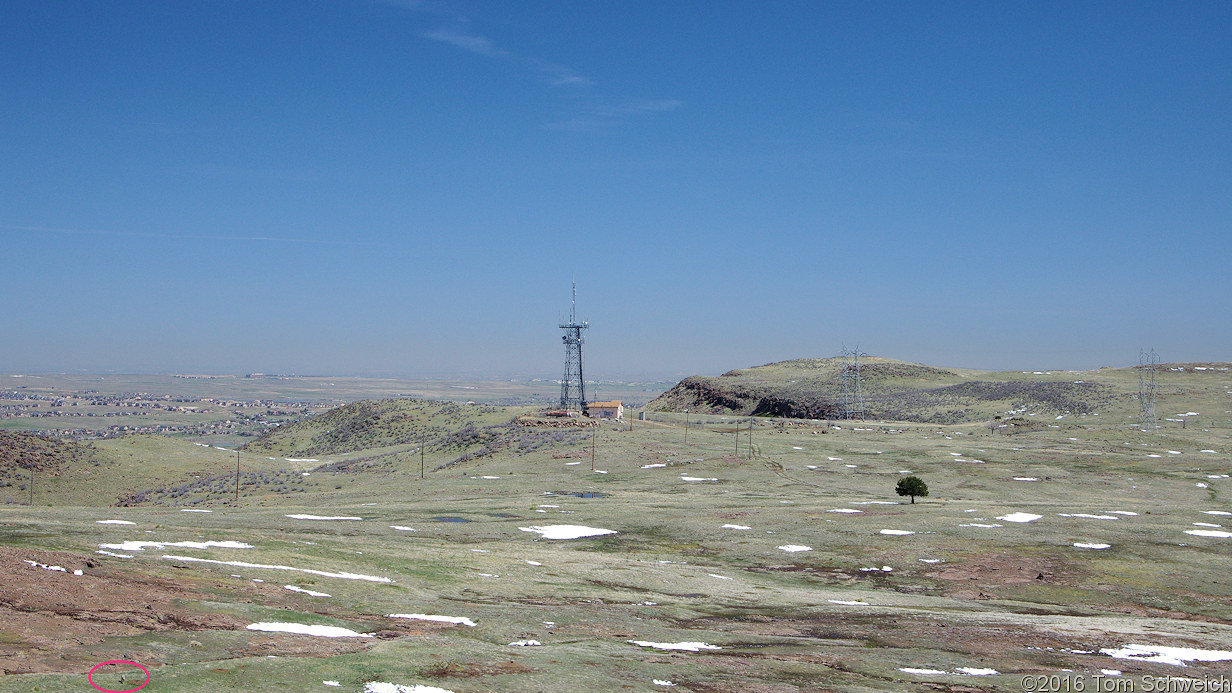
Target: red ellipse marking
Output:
[(90, 676)]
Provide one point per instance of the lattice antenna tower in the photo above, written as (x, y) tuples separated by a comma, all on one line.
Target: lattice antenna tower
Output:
[(1148, 365), (853, 387), (572, 387)]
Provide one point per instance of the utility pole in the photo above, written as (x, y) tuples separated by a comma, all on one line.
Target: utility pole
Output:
[(686, 426), (423, 443), (750, 439), (237, 475)]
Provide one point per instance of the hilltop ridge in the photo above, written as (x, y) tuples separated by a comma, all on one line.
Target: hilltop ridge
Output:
[(813, 388)]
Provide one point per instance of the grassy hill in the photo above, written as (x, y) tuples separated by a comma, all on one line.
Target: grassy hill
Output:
[(892, 390), (372, 424)]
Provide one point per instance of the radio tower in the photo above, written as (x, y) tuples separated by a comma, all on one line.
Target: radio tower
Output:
[(572, 387), (853, 389), (1148, 363)]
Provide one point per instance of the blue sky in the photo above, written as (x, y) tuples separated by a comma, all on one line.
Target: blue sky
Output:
[(402, 187)]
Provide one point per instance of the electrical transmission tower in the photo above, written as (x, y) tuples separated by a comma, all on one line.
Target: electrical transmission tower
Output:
[(1148, 364), (572, 387), (853, 388)]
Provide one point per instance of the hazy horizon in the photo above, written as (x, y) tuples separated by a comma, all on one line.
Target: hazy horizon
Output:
[(409, 186)]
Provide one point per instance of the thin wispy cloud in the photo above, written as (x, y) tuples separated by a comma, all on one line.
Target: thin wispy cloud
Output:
[(606, 116), (467, 42), (556, 75), (589, 117), (559, 75), (176, 236)]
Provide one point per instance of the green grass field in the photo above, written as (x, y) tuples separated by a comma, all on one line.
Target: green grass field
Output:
[(696, 556)]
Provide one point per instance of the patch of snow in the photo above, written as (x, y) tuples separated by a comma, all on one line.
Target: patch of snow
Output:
[(848, 602), (301, 459), (320, 517), (242, 564), (382, 687), (977, 524), (736, 527), (844, 510), (653, 466), (661, 682), (1176, 656), (57, 568), (1122, 512), (1089, 516), (960, 671), (114, 522), (533, 563), (116, 555), (1218, 534), (571, 464), (930, 560), (1020, 517), (796, 448), (460, 620), (401, 528), (1089, 545), (489, 477), (1206, 524), (310, 593), (719, 577), (335, 684), (525, 643), (1025, 478), (697, 478), (793, 548), (303, 629), (689, 646), (897, 532), (874, 503), (141, 545), (195, 510), (567, 531)]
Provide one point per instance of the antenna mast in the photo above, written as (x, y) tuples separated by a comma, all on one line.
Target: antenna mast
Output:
[(853, 388), (1148, 364), (572, 387)]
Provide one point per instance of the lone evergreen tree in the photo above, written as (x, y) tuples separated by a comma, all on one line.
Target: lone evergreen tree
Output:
[(912, 486)]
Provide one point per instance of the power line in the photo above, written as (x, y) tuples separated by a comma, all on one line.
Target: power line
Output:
[(1148, 365), (853, 387)]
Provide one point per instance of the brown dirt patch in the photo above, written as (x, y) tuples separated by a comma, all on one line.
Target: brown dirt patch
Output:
[(52, 621), (968, 578)]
